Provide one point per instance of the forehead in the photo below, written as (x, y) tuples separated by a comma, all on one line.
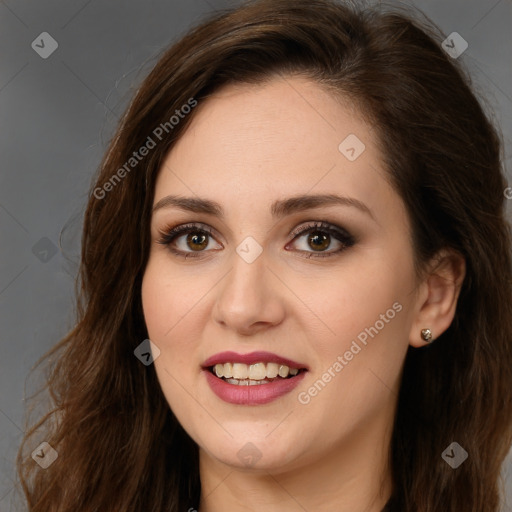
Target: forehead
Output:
[(281, 138)]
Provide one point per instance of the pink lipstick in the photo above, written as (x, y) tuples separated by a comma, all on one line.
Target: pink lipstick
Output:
[(252, 379)]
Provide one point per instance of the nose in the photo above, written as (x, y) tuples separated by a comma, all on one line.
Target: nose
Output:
[(250, 298)]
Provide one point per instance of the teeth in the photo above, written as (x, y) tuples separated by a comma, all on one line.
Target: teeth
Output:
[(240, 371), (247, 382), (243, 374), (284, 371), (228, 370), (272, 370), (257, 371)]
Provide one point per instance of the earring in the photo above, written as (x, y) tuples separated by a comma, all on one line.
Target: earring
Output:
[(426, 334)]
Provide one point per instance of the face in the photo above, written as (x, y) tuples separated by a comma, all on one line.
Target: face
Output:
[(325, 286)]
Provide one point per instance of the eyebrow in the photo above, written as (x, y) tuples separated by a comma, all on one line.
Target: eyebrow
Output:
[(279, 208)]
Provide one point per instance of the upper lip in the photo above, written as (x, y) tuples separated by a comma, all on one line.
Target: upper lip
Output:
[(251, 358)]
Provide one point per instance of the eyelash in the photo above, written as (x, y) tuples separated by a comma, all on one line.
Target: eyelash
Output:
[(346, 239)]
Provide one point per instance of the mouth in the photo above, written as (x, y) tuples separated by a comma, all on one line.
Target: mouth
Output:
[(240, 374), (252, 379)]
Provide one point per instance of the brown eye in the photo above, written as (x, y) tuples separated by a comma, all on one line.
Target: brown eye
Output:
[(320, 237), (319, 240), (193, 245), (197, 241)]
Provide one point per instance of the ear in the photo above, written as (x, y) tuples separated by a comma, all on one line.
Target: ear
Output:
[(437, 297)]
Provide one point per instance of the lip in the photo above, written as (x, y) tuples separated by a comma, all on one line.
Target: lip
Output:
[(251, 358), (251, 395)]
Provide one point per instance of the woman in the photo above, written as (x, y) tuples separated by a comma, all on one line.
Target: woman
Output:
[(308, 224)]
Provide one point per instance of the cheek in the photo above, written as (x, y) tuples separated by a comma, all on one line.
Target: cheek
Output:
[(352, 301), (174, 308), (169, 317), (356, 382), (170, 301), (364, 340), (163, 308)]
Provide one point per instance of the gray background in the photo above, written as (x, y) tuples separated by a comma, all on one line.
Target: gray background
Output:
[(57, 117)]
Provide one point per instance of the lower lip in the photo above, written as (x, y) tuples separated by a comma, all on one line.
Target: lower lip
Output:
[(251, 395)]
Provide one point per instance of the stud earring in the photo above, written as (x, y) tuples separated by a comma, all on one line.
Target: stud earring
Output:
[(426, 334)]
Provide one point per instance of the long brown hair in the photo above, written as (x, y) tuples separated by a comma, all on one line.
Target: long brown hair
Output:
[(119, 445)]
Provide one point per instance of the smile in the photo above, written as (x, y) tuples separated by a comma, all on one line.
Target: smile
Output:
[(241, 374), (252, 379)]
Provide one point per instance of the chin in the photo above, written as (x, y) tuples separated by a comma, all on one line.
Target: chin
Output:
[(253, 452)]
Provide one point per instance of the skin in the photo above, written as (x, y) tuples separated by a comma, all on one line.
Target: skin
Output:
[(247, 146)]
